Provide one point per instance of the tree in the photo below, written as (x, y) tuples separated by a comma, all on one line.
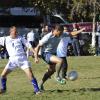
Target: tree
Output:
[(73, 10)]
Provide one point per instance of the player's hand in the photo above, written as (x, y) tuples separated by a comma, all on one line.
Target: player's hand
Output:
[(83, 28), (36, 60)]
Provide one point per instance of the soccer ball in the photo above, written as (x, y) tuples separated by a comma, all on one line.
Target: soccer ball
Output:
[(72, 75)]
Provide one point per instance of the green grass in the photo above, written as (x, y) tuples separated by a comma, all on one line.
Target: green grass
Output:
[(86, 87)]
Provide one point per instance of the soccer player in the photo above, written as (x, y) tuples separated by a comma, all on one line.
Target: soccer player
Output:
[(62, 52), (14, 45), (31, 40), (49, 45)]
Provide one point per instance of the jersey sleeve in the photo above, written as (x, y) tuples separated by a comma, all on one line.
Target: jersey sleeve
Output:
[(26, 43), (45, 39), (2, 39)]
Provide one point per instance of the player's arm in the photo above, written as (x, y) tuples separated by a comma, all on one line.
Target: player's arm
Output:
[(37, 49), (77, 32), (41, 43), (2, 41), (32, 49), (27, 45)]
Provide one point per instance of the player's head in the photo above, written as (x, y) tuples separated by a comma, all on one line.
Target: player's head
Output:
[(13, 31), (57, 30), (45, 28)]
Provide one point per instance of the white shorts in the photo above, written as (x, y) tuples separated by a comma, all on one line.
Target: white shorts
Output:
[(18, 61)]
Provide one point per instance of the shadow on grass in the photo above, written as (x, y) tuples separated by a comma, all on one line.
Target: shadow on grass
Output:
[(76, 90), (26, 94), (90, 78)]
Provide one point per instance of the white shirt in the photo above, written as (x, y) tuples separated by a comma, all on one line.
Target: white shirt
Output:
[(14, 46), (30, 36), (62, 46)]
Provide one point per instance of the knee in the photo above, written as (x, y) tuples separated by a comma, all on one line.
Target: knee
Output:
[(3, 76), (60, 61), (51, 70)]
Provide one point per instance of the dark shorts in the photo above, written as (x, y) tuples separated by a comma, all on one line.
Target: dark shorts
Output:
[(65, 64), (32, 43), (46, 57)]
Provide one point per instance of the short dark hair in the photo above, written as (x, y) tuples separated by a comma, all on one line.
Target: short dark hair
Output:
[(58, 27), (13, 27)]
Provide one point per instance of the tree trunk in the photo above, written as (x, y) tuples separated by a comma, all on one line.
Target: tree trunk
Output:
[(93, 32)]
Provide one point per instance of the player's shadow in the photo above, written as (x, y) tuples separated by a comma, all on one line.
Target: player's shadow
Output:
[(76, 90)]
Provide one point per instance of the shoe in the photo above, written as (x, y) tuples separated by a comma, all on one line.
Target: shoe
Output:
[(63, 81), (2, 91), (41, 88), (37, 93), (58, 79)]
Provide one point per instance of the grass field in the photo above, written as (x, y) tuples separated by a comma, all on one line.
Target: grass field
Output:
[(86, 87)]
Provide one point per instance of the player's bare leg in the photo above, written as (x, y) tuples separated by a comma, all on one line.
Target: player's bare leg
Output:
[(47, 75), (33, 80), (58, 62)]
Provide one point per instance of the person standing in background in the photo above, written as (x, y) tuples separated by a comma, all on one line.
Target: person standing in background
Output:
[(31, 40), (98, 39), (45, 30), (75, 42)]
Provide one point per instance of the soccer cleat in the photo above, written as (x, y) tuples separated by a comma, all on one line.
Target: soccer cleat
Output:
[(61, 81), (37, 93), (58, 79), (2, 91), (41, 87)]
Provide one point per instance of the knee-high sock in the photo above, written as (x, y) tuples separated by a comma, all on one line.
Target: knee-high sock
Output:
[(3, 83), (46, 76), (35, 84)]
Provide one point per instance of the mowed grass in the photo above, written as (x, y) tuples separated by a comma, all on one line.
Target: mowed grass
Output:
[(86, 87)]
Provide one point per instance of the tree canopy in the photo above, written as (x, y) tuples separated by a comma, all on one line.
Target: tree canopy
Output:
[(73, 10)]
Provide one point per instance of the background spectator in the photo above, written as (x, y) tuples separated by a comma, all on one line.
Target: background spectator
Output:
[(75, 42)]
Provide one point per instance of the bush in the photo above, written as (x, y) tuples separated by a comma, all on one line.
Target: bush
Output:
[(92, 50)]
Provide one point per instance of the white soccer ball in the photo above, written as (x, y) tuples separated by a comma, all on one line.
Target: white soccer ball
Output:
[(72, 75)]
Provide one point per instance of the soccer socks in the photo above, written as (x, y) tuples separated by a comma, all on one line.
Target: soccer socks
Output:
[(3, 83), (35, 84), (47, 75)]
